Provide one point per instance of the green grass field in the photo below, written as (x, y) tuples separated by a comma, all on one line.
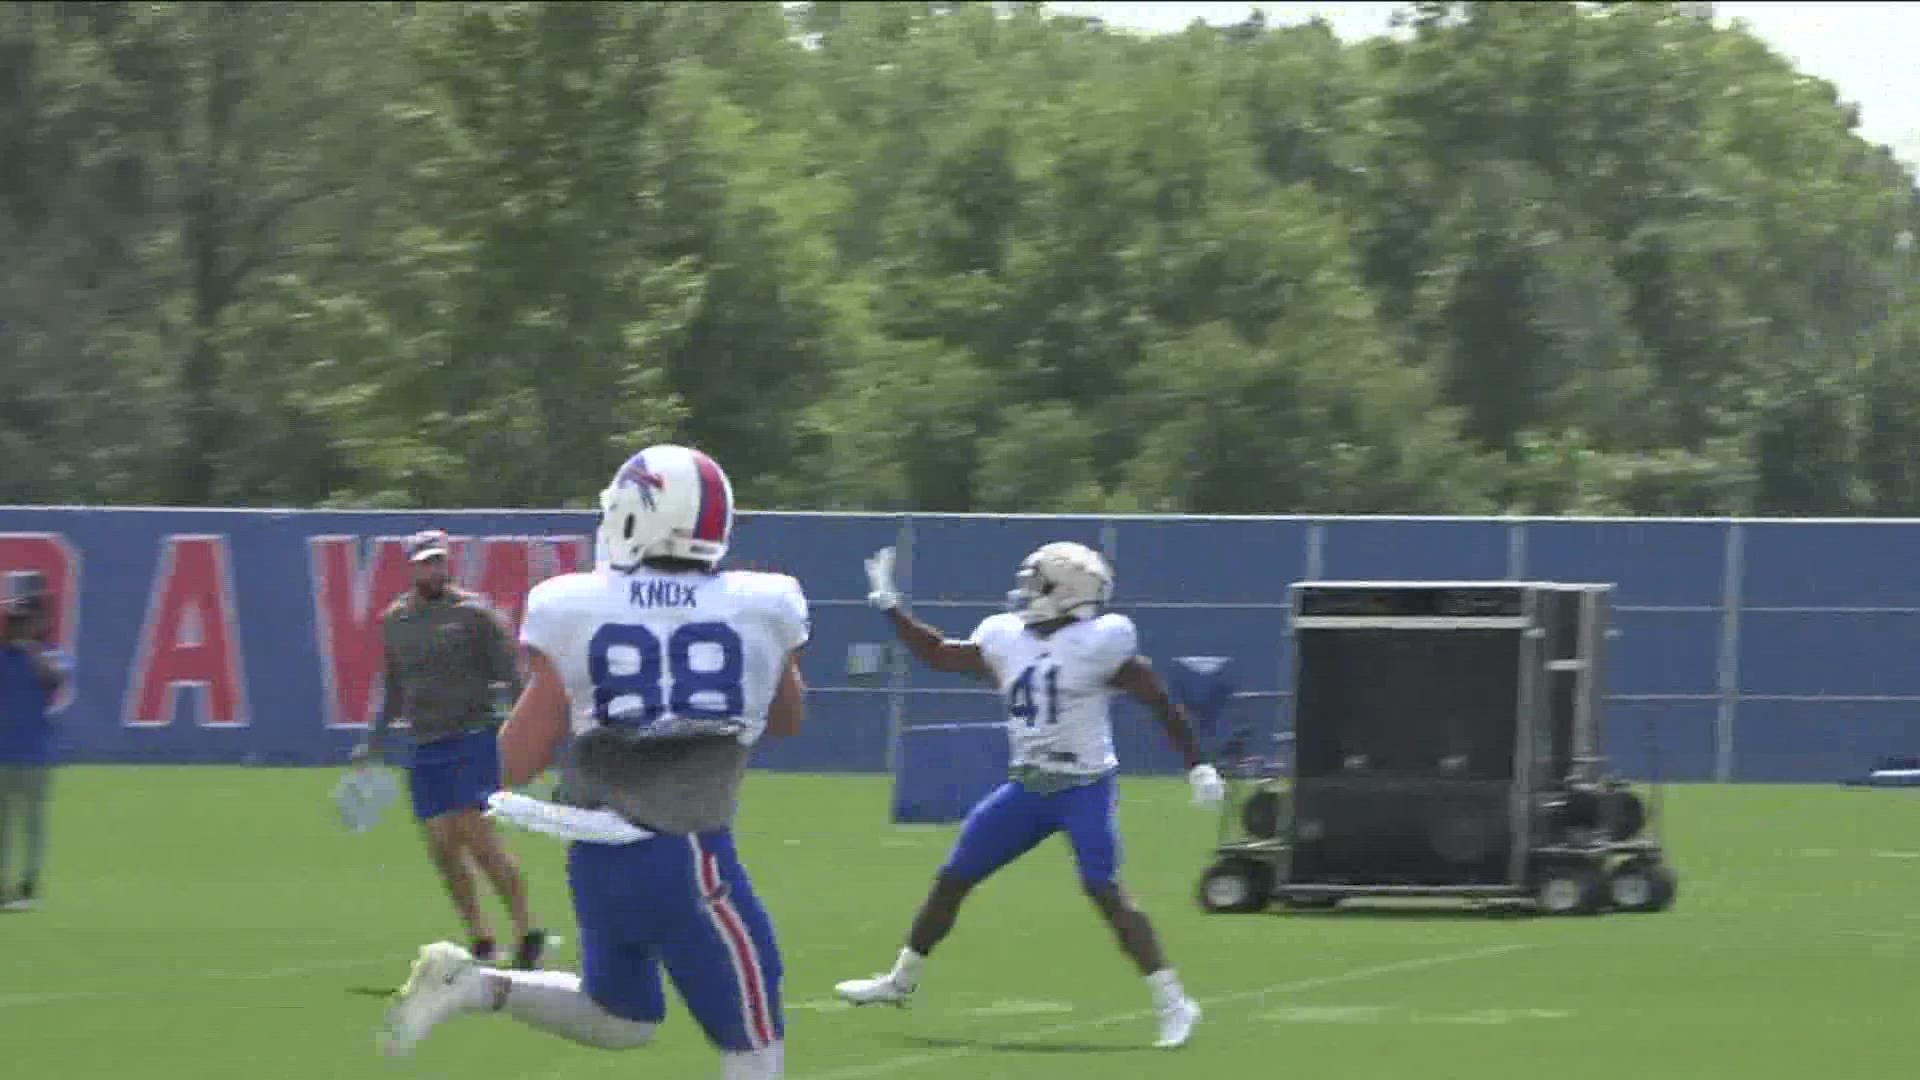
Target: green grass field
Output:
[(215, 924)]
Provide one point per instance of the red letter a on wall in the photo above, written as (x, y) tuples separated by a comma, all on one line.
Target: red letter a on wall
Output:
[(191, 638)]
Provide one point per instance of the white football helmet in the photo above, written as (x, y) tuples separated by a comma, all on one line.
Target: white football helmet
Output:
[(665, 502), (1061, 580)]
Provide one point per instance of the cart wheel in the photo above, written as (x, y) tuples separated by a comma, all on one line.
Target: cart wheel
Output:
[(1236, 886), (1581, 809), (1569, 889), (1626, 815), (1642, 885), (1262, 814)]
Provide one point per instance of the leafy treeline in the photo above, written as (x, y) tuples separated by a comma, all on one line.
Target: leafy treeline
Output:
[(1537, 257)]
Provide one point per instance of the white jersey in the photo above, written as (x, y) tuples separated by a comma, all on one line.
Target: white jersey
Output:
[(659, 653), (1058, 688)]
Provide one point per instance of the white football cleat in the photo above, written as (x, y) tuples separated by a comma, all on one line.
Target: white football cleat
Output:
[(1176, 1023), (879, 990), (444, 982)]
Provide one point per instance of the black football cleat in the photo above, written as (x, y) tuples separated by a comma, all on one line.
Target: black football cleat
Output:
[(527, 956)]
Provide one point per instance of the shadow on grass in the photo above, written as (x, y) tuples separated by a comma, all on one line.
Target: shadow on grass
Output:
[(1439, 911), (1020, 1046)]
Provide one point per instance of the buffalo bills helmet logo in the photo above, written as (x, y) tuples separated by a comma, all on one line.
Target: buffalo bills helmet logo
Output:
[(635, 472)]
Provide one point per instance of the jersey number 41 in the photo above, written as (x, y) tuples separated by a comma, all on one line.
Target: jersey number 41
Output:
[(1034, 697)]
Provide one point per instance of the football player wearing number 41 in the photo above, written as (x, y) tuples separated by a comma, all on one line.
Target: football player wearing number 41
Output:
[(1058, 659), (668, 671)]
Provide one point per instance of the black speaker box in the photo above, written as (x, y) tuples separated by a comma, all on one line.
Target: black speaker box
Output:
[(1402, 832), (1428, 717), (1379, 702)]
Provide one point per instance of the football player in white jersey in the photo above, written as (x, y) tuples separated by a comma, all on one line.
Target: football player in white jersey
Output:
[(667, 671), (1058, 659)]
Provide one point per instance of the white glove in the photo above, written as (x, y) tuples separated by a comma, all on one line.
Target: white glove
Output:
[(881, 593), (362, 795), (1208, 788), (565, 822)]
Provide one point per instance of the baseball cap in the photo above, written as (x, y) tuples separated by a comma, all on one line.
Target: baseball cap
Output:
[(426, 544)]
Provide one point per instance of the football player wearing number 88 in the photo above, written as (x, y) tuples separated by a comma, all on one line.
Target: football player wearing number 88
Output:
[(1058, 660), (667, 671)]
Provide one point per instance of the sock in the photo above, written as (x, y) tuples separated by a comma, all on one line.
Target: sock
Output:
[(554, 1002), (766, 1063), (906, 970), (1165, 986)]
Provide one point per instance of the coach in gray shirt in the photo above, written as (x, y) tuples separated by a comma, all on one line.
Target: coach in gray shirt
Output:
[(449, 663)]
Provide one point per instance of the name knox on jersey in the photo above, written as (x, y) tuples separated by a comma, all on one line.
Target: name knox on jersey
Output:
[(658, 593)]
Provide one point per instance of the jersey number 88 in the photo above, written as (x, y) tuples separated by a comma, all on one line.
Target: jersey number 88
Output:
[(662, 675)]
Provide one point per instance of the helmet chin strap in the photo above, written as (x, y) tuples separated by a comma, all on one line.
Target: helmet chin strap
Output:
[(1031, 616)]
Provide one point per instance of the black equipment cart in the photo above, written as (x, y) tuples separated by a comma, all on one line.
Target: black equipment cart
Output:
[(1446, 743)]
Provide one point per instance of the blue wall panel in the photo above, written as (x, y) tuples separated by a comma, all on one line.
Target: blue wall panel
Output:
[(1256, 639), (975, 558), (1208, 561), (825, 553), (979, 705), (1664, 652), (1649, 563), (1813, 740), (1839, 653), (847, 730), (1831, 564), (1665, 740), (1370, 549), (836, 628), (230, 636)]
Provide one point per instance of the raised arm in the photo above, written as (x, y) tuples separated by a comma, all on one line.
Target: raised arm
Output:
[(927, 644), (934, 649)]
